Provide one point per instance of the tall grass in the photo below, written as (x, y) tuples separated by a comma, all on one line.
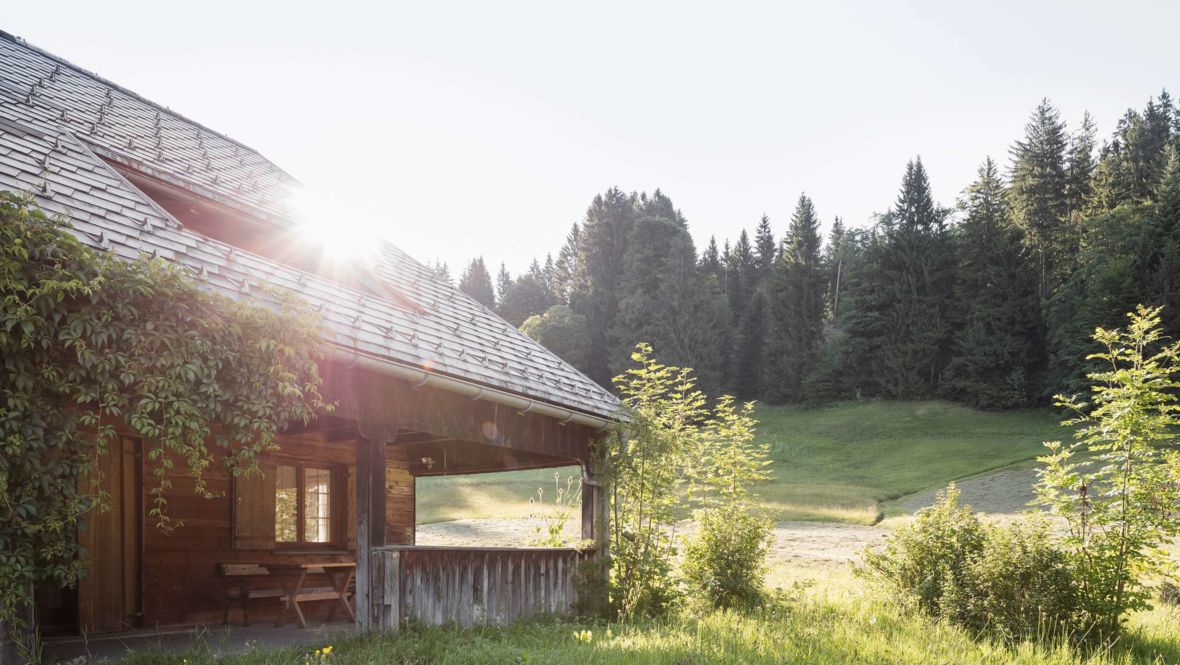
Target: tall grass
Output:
[(838, 621)]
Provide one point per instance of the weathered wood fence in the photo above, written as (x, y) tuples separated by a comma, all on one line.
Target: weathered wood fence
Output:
[(468, 586)]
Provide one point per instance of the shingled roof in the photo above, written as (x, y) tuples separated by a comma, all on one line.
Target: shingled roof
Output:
[(62, 127)]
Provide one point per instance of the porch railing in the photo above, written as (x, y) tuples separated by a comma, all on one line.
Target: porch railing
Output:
[(469, 585)]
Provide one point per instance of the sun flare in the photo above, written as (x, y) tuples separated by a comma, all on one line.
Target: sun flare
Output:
[(333, 229)]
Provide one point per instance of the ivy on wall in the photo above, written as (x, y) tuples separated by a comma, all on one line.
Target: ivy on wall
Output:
[(91, 344)]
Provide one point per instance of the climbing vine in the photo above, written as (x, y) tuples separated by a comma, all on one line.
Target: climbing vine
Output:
[(91, 344)]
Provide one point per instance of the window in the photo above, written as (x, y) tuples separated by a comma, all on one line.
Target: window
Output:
[(304, 505)]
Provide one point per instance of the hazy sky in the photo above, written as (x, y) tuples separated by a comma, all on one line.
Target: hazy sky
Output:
[(487, 127)]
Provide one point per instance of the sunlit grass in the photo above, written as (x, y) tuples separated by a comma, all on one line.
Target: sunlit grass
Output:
[(833, 620), (837, 463)]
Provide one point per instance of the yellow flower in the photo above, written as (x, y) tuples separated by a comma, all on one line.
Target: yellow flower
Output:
[(328, 649)]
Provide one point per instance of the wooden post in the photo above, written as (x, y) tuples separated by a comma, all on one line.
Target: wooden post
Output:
[(370, 528)]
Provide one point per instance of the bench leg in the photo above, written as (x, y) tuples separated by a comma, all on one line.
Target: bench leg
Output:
[(246, 611)]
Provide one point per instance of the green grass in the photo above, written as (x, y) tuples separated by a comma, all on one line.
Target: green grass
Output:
[(840, 463), (485, 495), (836, 621), (837, 463)]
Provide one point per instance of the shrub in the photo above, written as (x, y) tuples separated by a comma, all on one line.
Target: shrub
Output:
[(1012, 581), (725, 560), (1020, 585), (1117, 485), (927, 559)]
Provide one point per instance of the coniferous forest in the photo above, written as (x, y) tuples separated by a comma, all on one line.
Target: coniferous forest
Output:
[(990, 301)]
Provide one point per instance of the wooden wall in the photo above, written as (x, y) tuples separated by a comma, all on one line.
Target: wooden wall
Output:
[(470, 586), (180, 584)]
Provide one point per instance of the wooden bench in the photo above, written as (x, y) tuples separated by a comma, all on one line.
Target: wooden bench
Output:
[(246, 581)]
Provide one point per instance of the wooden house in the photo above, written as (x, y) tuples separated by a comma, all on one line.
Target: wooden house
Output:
[(427, 381)]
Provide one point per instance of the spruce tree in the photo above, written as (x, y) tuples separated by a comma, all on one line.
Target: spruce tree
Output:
[(595, 295), (1133, 162), (834, 266), (526, 296), (796, 308), (1162, 247), (477, 283), (995, 356), (711, 260), (567, 265), (765, 250), (442, 272), (915, 275), (665, 300), (1080, 169), (1039, 201), (742, 275), (503, 281)]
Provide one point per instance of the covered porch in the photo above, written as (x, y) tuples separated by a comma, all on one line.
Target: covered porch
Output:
[(340, 491), (404, 426)]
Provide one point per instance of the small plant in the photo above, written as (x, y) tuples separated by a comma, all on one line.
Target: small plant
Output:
[(1116, 485), (554, 518), (725, 561)]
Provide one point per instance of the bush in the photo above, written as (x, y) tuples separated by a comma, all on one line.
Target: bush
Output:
[(925, 560), (1012, 581), (1020, 585), (725, 560)]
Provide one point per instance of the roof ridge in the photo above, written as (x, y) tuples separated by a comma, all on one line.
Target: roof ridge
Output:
[(23, 43)]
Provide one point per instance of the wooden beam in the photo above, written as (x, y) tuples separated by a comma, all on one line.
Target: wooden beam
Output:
[(370, 523)]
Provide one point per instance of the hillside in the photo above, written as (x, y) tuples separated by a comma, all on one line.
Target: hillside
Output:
[(838, 463)]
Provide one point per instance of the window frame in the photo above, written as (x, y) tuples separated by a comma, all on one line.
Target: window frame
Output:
[(336, 504)]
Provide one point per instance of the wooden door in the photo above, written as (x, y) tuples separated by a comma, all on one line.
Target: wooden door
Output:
[(109, 595)]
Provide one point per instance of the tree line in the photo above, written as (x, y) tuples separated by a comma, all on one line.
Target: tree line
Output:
[(991, 301)]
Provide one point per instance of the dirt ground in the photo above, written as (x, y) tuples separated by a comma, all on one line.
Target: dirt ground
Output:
[(1001, 493)]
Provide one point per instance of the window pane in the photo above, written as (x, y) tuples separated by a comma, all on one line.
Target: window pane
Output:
[(317, 505), (286, 505)]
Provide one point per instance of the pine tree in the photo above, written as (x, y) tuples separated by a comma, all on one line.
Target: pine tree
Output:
[(741, 275), (442, 272), (503, 282), (595, 295), (995, 357), (567, 265), (1080, 169), (711, 260), (1133, 162), (477, 283), (1039, 201), (914, 274), (1162, 261), (796, 308), (834, 265), (526, 296), (549, 271), (665, 300), (744, 379), (765, 250)]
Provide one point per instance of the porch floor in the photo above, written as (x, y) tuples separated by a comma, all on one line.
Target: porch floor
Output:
[(219, 639)]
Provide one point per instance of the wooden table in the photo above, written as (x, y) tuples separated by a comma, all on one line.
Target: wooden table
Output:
[(291, 577)]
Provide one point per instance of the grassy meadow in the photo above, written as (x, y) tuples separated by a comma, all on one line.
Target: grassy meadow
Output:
[(832, 622), (843, 463), (839, 463)]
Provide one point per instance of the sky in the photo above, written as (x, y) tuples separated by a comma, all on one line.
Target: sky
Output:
[(486, 128)]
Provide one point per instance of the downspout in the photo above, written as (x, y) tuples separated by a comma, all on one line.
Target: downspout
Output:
[(420, 378)]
